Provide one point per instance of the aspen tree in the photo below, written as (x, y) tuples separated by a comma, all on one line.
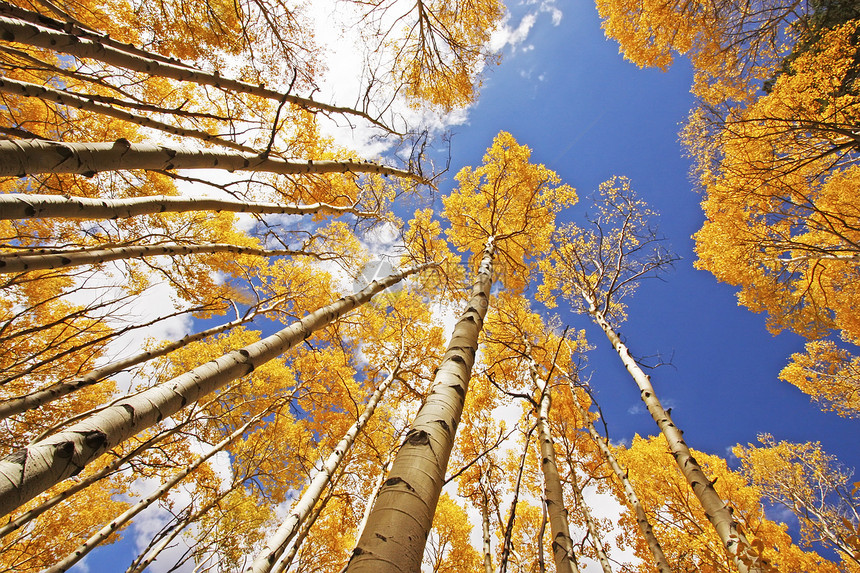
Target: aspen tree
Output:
[(25, 205), (594, 269), (682, 525), (504, 209), (562, 544), (57, 390), (814, 486), (25, 157), (127, 515), (642, 521), (277, 543), (38, 466)]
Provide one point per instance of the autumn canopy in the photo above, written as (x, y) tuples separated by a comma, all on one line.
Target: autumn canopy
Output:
[(256, 310)]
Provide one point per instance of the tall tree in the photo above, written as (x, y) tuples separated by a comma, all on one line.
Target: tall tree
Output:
[(503, 210), (594, 269)]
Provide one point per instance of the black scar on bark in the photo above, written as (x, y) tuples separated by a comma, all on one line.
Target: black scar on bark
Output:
[(94, 439), (418, 438), (397, 481), (65, 450)]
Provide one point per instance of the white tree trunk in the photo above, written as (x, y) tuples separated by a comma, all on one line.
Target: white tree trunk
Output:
[(641, 518), (22, 206), (562, 543), (277, 543), (593, 532), (35, 512), (26, 89), (127, 515), (22, 157), (44, 259), (485, 522), (33, 469), (402, 516), (14, 30), (736, 544), (56, 391)]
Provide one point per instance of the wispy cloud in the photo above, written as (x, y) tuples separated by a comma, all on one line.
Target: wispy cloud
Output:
[(506, 35)]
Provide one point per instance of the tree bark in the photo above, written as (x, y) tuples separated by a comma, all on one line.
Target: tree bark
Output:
[(512, 514), (283, 564), (56, 391), (45, 259), (26, 89), (641, 517), (13, 30), (277, 543), (154, 549), (734, 541), (402, 516), (128, 514), (562, 543), (33, 469), (32, 514), (23, 206), (33, 156), (593, 532), (485, 522)]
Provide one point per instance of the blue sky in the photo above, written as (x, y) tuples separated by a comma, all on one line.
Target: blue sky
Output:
[(588, 114)]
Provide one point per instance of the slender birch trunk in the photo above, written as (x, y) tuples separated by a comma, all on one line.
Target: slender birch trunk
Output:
[(562, 543), (13, 30), (277, 543), (56, 391), (735, 542), (593, 532), (402, 516), (284, 563), (23, 206), (512, 514), (641, 517), (485, 521), (31, 156), (154, 549), (128, 514), (36, 467), (26, 89), (45, 259)]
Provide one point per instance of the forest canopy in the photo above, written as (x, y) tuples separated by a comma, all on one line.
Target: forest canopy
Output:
[(253, 319)]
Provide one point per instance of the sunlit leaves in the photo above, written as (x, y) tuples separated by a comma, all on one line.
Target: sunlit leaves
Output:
[(511, 200)]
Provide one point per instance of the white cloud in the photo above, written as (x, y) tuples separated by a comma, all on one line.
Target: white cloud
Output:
[(508, 36), (554, 12)]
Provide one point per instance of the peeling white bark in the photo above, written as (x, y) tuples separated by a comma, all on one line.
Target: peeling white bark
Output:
[(38, 466), (397, 530)]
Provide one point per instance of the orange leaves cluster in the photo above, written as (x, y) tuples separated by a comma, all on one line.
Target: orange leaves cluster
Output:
[(681, 526), (511, 200), (829, 374)]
